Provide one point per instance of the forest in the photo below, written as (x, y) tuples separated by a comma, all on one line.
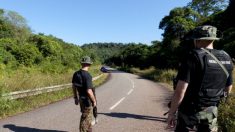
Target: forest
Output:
[(26, 57), (177, 26), (21, 48)]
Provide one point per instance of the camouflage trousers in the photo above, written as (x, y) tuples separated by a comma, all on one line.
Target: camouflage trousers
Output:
[(86, 118), (203, 121), (208, 119)]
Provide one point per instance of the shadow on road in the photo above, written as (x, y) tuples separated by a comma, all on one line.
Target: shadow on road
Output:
[(15, 128), (140, 117)]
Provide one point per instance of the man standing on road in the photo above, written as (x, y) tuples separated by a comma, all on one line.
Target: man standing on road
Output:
[(82, 86), (204, 76)]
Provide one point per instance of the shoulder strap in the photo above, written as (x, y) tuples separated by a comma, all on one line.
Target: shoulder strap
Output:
[(221, 65)]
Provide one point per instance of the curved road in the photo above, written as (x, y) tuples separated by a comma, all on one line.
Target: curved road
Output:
[(126, 103)]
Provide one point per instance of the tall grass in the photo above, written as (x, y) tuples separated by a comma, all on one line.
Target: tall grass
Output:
[(233, 90), (31, 78), (157, 75), (12, 107), (226, 117)]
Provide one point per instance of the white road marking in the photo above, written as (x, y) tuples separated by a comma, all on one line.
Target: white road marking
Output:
[(133, 84), (111, 108), (130, 92)]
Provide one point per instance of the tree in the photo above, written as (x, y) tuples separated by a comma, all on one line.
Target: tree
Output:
[(226, 25), (207, 7), (1, 14), (176, 25), (6, 57), (47, 45), (18, 25), (71, 56), (178, 22), (135, 55), (5, 28), (27, 54), (103, 51)]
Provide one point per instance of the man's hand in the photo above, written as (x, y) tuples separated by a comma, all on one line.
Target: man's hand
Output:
[(95, 111), (171, 121), (94, 104), (76, 101)]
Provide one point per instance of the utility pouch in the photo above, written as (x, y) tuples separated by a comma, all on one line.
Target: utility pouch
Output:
[(85, 101), (208, 116)]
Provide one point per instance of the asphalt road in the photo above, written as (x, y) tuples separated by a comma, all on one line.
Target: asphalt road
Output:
[(126, 103)]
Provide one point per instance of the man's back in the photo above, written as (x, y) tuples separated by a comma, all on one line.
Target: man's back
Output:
[(207, 79), (83, 80)]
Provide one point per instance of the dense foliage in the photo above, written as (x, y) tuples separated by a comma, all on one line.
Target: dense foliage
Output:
[(176, 41), (227, 115), (21, 48), (102, 51)]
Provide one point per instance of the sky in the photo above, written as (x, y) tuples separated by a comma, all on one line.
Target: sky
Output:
[(90, 21)]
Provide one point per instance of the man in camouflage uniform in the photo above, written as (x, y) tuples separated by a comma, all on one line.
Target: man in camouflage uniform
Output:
[(82, 86), (203, 77)]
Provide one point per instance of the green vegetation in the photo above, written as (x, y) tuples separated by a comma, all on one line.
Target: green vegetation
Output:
[(30, 60), (176, 41), (226, 119), (157, 75), (102, 51), (12, 107)]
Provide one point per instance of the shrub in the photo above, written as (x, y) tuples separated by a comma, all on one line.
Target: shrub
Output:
[(226, 117), (164, 75), (6, 57), (27, 54), (47, 46)]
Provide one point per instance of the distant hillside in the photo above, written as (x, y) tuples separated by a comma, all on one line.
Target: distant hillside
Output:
[(103, 51), (19, 47)]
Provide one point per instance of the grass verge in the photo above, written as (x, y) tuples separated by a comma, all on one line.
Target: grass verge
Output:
[(226, 117), (13, 107), (30, 78), (164, 76)]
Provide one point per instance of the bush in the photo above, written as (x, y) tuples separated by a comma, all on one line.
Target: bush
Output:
[(226, 117), (5, 105), (47, 46), (164, 75), (6, 57), (27, 54)]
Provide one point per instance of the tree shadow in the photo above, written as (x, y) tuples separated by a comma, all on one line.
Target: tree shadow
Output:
[(134, 116), (15, 128)]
